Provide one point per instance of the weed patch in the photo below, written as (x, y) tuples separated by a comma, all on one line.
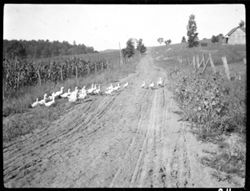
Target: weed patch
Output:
[(214, 104)]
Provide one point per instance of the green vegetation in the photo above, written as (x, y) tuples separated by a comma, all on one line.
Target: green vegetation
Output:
[(42, 49), (25, 63), (19, 119), (129, 51), (215, 106), (160, 40), (217, 38), (140, 47), (19, 73), (167, 42), (183, 40), (191, 32)]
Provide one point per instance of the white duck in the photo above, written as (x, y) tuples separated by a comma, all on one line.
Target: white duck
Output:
[(143, 84), (36, 103), (83, 88), (152, 85), (110, 87), (160, 82), (76, 90), (116, 87), (73, 96), (90, 90), (42, 102), (82, 94), (58, 93), (109, 90), (97, 91), (51, 97), (95, 88), (125, 85), (66, 94), (50, 103)]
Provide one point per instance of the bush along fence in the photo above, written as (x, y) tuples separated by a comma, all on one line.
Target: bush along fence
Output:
[(213, 102), (18, 73)]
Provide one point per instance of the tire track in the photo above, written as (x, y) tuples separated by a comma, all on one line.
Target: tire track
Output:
[(11, 168), (162, 168), (143, 113), (147, 144), (130, 139)]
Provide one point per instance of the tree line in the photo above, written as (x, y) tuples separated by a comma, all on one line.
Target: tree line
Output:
[(133, 45), (42, 49)]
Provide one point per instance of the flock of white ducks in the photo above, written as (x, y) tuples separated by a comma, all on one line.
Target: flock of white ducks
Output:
[(76, 94), (152, 85), (83, 93)]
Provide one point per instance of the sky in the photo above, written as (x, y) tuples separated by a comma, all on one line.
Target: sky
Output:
[(105, 26)]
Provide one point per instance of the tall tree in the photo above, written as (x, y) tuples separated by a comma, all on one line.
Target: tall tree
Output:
[(183, 40), (167, 42), (130, 49), (140, 47), (191, 32), (16, 49), (160, 40)]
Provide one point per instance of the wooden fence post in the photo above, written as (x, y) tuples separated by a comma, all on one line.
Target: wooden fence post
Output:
[(202, 61), (197, 61), (227, 71), (212, 63), (205, 65), (121, 62), (194, 64)]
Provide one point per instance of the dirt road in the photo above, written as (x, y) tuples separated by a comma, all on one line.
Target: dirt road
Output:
[(130, 139)]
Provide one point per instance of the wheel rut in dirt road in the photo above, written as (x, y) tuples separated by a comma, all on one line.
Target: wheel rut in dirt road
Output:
[(130, 139)]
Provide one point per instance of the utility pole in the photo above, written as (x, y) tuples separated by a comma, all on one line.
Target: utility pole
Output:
[(121, 62)]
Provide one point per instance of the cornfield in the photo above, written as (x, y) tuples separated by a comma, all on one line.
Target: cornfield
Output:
[(18, 73)]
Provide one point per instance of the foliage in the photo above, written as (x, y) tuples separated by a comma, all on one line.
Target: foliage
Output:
[(140, 47), (25, 72), (160, 40), (16, 49), (212, 103), (217, 38), (203, 44), (129, 51), (214, 106), (167, 42), (42, 49), (183, 40), (214, 39), (191, 32)]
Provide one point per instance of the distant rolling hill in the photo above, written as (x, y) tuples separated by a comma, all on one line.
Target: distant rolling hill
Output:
[(110, 50)]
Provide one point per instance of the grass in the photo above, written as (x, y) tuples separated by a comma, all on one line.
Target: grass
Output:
[(19, 119), (215, 105)]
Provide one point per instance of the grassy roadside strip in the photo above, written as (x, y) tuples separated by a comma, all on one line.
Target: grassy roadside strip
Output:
[(216, 107)]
